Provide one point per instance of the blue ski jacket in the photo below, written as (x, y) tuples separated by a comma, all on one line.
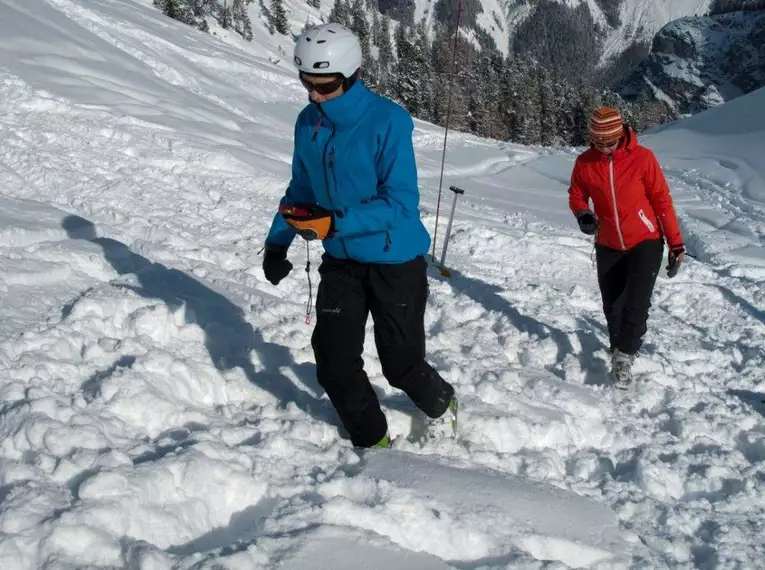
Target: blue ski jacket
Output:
[(354, 156)]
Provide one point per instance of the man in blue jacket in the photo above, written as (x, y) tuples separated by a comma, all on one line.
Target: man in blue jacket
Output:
[(354, 186)]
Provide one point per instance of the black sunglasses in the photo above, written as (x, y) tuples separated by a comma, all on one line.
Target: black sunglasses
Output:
[(322, 88)]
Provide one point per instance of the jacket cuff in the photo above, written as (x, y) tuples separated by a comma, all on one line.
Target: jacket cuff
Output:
[(277, 248), (677, 248)]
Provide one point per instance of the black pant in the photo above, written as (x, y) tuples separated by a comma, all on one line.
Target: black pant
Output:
[(396, 295), (626, 280)]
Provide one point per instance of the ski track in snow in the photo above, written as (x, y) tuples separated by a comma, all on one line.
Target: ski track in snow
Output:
[(158, 403)]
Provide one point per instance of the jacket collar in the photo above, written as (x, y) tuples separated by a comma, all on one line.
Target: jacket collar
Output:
[(348, 108), (628, 143)]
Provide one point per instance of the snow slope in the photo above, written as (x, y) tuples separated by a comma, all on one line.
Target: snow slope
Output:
[(719, 154), (641, 19), (698, 63), (158, 405)]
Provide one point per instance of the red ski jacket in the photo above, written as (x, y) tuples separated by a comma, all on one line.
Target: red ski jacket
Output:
[(629, 192)]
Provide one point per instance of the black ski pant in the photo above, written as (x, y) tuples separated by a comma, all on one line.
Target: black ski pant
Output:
[(395, 295), (626, 280)]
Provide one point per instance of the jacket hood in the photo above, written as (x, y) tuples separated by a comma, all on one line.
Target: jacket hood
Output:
[(630, 140)]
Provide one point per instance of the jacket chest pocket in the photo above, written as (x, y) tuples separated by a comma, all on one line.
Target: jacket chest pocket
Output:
[(313, 141), (351, 164)]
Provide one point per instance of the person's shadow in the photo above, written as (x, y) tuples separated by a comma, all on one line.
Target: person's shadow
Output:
[(490, 297), (229, 338)]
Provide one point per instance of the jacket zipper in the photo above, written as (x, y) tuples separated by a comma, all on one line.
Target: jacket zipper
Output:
[(334, 179), (613, 195), (316, 129)]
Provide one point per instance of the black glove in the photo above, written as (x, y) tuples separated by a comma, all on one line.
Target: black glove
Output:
[(275, 263), (675, 259), (587, 221)]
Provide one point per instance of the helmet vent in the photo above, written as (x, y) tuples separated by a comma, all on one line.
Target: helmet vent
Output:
[(321, 65)]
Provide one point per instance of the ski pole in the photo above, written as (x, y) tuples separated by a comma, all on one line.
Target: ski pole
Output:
[(457, 191)]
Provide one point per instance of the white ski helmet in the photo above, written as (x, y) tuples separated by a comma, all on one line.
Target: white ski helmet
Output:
[(328, 49)]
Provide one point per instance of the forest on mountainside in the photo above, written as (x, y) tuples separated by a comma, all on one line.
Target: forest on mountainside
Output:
[(727, 6), (540, 94)]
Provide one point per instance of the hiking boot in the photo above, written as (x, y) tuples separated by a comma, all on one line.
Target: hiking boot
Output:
[(384, 442), (446, 424), (621, 369)]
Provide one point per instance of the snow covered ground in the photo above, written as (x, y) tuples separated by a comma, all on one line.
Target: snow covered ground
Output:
[(158, 406)]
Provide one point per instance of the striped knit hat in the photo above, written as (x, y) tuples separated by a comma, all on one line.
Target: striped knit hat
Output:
[(606, 125)]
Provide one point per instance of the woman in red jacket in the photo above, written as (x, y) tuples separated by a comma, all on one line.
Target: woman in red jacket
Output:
[(633, 214)]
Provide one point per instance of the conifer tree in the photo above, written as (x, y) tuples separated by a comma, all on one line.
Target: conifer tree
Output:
[(412, 72), (360, 27), (423, 71), (340, 14), (526, 104), (584, 103), (246, 26), (225, 18), (384, 65), (510, 81), (280, 20), (548, 111), (453, 82), (375, 28), (484, 96), (177, 10), (403, 47), (564, 95), (172, 9), (386, 56)]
